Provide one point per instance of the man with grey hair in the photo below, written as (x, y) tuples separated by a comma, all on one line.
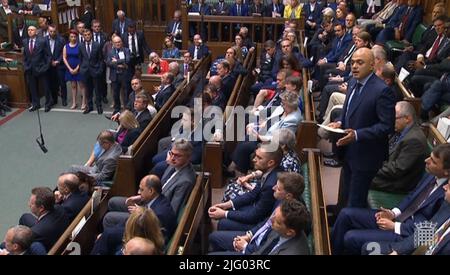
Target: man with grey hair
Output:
[(179, 178), (407, 151), (174, 68), (69, 196), (139, 246), (121, 23), (18, 240)]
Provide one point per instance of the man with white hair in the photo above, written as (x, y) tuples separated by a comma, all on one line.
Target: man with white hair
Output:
[(120, 24)]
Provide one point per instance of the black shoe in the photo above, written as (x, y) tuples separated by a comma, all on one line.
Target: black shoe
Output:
[(105, 100), (6, 108), (47, 109), (88, 110), (100, 110), (33, 108), (64, 102), (332, 163), (2, 113), (328, 155), (108, 116)]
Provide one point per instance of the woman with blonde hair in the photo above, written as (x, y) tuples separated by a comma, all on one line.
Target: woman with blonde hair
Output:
[(144, 223), (128, 130)]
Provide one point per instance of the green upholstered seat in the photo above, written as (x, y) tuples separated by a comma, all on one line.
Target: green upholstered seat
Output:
[(417, 36), (377, 199)]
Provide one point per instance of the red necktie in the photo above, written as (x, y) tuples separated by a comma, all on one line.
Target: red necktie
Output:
[(404, 20), (435, 48)]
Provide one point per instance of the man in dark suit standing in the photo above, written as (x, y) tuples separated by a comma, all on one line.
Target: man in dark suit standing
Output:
[(91, 70), (247, 210), (45, 220), (100, 37), (119, 60), (57, 68), (368, 118), (174, 29), (20, 32), (121, 23), (356, 226), (149, 195), (198, 50), (407, 151), (135, 41), (36, 62)]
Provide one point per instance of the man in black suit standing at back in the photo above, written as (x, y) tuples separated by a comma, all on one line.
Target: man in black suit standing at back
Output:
[(36, 62), (135, 41), (91, 69), (121, 23), (45, 220), (100, 37), (57, 68)]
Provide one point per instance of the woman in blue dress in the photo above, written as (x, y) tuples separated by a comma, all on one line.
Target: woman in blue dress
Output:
[(72, 61)]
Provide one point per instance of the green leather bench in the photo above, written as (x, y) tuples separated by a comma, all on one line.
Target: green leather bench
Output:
[(307, 198), (394, 45), (377, 199)]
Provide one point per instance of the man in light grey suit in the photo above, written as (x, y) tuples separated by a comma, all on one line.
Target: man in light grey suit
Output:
[(179, 178), (105, 162), (287, 236)]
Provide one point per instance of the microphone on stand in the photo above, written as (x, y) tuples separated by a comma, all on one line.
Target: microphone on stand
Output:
[(40, 139)]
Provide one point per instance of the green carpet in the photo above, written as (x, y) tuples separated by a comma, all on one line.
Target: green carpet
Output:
[(69, 138)]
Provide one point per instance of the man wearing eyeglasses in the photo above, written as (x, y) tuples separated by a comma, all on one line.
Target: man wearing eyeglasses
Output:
[(179, 178)]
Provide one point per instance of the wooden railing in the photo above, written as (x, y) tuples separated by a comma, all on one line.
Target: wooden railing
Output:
[(409, 96), (320, 229), (194, 221)]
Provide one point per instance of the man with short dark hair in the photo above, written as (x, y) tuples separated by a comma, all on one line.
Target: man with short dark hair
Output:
[(45, 220)]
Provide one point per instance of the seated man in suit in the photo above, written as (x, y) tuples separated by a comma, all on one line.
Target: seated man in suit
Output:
[(18, 240), (179, 178), (244, 212), (104, 164), (198, 50), (30, 8), (288, 231), (149, 195), (45, 220), (289, 186), (356, 226), (407, 152), (408, 245), (164, 92), (140, 104), (69, 196)]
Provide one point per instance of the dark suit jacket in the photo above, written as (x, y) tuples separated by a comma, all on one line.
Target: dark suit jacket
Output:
[(336, 51), (18, 40), (39, 61), (142, 46), (227, 85), (396, 18), (313, 16), (414, 19), (405, 166), (294, 246), (115, 71), (35, 8), (144, 119), (163, 210), (372, 115), (269, 9), (87, 18), (129, 139), (254, 206), (163, 96), (91, 65), (116, 26), (205, 10), (406, 246), (74, 203), (244, 10), (202, 52), (179, 187), (252, 9), (50, 227), (225, 10), (4, 21), (425, 211), (102, 38), (106, 164), (58, 50)]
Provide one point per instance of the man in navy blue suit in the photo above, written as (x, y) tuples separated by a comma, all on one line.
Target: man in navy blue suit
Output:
[(69, 195), (120, 24), (57, 68), (149, 195), (368, 118), (356, 226), (36, 62), (45, 220), (91, 70), (198, 50), (408, 246), (244, 212)]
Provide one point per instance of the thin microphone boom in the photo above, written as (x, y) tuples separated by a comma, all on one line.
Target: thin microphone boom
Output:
[(41, 142)]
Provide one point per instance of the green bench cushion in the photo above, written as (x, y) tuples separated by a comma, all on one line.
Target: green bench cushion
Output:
[(377, 199), (417, 36)]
